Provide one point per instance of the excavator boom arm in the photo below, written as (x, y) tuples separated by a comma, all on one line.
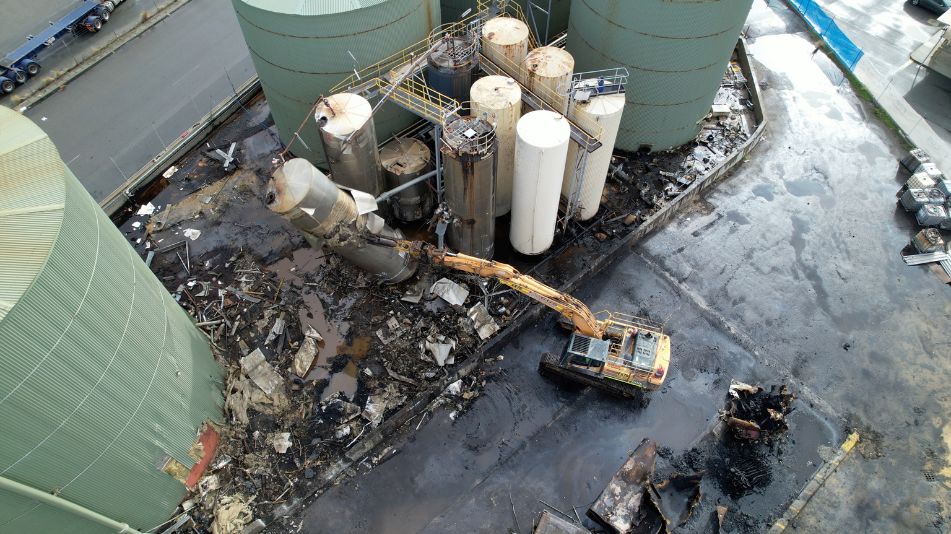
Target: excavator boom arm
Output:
[(573, 309)]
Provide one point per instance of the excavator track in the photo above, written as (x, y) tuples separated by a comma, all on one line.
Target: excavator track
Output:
[(550, 365)]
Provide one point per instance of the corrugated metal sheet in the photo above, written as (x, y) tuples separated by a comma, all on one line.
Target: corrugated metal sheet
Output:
[(300, 49), (103, 374), (676, 52)]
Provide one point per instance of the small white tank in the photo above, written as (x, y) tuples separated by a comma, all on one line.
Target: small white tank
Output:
[(501, 97), (355, 164), (540, 152), (546, 72), (604, 111), (505, 42)]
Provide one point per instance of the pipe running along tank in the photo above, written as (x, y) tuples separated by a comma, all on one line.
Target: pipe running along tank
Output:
[(546, 72), (501, 97), (605, 111), (453, 62), (540, 152), (328, 215), (404, 159), (469, 162), (349, 140), (505, 43)]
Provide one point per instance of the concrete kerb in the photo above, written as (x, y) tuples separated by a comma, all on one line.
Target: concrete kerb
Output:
[(337, 472), (909, 124), (41, 93)]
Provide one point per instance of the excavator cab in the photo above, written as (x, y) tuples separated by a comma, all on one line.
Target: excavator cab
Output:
[(633, 356)]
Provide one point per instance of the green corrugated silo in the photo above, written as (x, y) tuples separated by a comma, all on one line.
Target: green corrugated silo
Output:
[(676, 51), (104, 378), (452, 9), (300, 50)]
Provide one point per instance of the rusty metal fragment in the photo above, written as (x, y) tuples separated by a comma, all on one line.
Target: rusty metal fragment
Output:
[(618, 507)]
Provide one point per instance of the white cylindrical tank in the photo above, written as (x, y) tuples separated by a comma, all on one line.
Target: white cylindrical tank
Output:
[(547, 73), (540, 151), (355, 164), (604, 111), (505, 42), (501, 97)]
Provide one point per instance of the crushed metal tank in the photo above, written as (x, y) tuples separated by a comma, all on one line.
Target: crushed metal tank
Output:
[(328, 216), (501, 97), (301, 49), (505, 43), (405, 159), (676, 53), (546, 72), (349, 140), (453, 62), (540, 151), (469, 163)]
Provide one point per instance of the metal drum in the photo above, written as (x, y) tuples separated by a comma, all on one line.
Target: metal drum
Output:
[(405, 159)]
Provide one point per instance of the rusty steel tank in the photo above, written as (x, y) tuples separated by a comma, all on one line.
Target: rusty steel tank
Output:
[(470, 152), (328, 216)]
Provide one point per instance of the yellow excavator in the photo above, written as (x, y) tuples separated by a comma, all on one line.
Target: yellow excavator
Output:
[(612, 351)]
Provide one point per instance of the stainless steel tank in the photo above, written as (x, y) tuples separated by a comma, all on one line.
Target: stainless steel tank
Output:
[(405, 159), (349, 140), (469, 164), (454, 62), (328, 216)]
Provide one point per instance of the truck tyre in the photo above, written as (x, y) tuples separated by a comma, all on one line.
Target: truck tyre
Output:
[(17, 76), (104, 15), (31, 67), (6, 85), (96, 24)]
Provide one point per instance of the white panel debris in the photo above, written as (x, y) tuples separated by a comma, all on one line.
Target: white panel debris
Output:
[(260, 372), (450, 291), (484, 324)]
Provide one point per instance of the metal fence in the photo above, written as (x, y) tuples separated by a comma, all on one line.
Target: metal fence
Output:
[(824, 25)]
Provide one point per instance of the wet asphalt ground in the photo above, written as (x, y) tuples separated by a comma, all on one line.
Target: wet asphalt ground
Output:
[(787, 272)]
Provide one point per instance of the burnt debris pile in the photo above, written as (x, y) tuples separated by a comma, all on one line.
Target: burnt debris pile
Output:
[(753, 413)]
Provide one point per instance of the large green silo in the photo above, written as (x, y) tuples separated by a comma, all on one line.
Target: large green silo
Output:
[(104, 377), (302, 48), (676, 52)]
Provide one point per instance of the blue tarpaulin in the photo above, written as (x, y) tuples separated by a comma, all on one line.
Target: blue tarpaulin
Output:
[(844, 49)]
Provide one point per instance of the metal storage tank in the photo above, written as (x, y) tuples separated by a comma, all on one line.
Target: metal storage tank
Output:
[(405, 159), (605, 111), (328, 215), (540, 152), (547, 73), (453, 63), (105, 378), (355, 164), (676, 52), (505, 42), (300, 50), (500, 97), (469, 162)]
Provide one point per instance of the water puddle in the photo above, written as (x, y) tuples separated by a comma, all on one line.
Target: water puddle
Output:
[(312, 313)]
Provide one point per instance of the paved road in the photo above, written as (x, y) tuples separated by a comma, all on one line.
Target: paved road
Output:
[(888, 31), (798, 250), (120, 113)]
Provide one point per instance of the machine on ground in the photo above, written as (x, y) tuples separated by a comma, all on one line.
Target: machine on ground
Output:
[(612, 351)]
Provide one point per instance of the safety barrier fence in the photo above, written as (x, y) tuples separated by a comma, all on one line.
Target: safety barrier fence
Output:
[(847, 52)]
